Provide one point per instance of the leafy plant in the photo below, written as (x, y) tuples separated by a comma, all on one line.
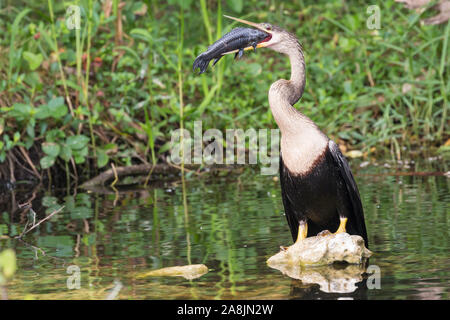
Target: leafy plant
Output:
[(8, 265), (121, 84)]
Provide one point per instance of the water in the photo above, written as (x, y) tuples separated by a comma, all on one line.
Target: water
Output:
[(232, 224)]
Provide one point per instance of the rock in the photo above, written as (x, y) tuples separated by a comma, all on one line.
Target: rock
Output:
[(323, 249), (191, 271)]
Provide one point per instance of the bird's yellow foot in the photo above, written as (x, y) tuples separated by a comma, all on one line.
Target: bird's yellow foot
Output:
[(302, 231), (341, 226)]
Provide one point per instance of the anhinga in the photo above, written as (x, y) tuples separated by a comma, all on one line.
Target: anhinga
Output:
[(318, 189)]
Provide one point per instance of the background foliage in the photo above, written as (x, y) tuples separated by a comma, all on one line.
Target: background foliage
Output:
[(112, 91)]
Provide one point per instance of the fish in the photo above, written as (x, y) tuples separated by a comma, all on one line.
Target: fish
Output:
[(235, 40)]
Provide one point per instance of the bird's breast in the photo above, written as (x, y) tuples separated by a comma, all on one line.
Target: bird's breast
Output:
[(302, 151)]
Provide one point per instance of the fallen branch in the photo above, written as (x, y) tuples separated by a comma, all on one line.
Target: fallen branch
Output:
[(119, 172), (144, 169), (25, 231)]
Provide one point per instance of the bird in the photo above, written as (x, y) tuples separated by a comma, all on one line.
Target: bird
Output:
[(318, 189)]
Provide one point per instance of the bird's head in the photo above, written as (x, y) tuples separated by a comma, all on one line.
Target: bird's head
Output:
[(278, 39)]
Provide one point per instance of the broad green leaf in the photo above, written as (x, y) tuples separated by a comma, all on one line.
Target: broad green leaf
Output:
[(34, 60), (65, 153), (77, 142), (47, 162), (54, 134), (33, 80), (57, 108), (8, 263), (20, 111), (16, 137), (102, 158), (80, 155), (43, 112), (50, 148), (30, 130)]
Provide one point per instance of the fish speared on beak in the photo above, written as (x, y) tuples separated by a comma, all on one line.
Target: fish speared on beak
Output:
[(236, 41)]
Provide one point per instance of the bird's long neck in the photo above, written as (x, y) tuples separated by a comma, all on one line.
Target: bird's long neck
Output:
[(298, 73), (302, 142), (283, 94)]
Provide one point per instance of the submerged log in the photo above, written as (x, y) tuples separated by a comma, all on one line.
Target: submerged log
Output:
[(189, 272)]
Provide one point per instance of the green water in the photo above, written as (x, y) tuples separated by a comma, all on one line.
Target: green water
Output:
[(232, 224)]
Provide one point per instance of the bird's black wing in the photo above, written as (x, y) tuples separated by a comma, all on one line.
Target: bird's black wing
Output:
[(287, 203), (356, 214)]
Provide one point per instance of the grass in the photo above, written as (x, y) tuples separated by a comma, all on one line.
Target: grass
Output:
[(126, 79)]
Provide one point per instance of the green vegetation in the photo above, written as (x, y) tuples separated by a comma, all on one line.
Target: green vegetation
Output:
[(8, 267), (111, 92)]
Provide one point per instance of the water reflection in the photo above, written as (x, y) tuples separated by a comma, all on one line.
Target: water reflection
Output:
[(234, 223), (331, 279), (301, 290)]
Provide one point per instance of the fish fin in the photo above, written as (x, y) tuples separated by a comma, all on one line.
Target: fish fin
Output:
[(239, 54), (215, 61)]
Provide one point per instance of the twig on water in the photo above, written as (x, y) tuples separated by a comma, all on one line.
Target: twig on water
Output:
[(46, 218)]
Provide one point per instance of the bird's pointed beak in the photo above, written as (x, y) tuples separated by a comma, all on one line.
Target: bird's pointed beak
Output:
[(253, 24)]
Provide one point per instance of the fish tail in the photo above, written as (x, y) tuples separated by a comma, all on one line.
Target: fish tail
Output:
[(201, 62)]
